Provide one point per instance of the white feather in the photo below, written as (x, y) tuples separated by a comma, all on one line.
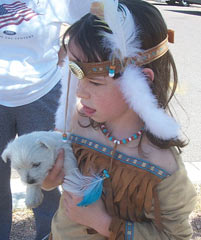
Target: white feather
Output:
[(77, 183), (138, 95), (125, 31)]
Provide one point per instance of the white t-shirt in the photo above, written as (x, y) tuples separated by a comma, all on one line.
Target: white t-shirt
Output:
[(29, 45)]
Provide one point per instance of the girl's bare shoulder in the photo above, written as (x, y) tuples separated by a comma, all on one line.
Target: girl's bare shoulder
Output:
[(163, 158), (80, 126)]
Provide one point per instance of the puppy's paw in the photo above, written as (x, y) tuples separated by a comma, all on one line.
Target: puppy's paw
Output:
[(34, 196)]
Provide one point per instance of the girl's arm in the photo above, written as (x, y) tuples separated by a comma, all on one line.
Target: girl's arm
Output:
[(177, 198), (93, 216)]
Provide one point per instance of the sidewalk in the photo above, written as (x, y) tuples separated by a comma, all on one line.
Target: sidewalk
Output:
[(19, 189), (194, 171)]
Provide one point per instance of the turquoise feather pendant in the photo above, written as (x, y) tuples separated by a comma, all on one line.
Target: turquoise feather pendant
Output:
[(94, 190)]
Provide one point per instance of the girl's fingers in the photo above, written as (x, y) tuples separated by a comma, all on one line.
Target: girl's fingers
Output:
[(58, 166), (55, 176), (72, 198), (60, 177), (67, 195)]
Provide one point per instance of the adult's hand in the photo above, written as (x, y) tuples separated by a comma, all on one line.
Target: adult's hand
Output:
[(55, 176)]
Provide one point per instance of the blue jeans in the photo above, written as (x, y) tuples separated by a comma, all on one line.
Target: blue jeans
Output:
[(36, 116)]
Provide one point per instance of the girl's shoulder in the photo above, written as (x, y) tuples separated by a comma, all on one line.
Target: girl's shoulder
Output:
[(80, 126), (164, 158)]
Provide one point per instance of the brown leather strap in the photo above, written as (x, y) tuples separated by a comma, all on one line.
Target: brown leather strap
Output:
[(50, 237), (94, 69), (157, 214)]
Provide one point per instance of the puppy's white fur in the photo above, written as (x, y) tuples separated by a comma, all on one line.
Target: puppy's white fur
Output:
[(33, 155)]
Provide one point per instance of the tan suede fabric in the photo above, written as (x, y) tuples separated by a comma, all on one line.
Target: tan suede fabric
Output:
[(64, 229), (159, 208), (177, 198)]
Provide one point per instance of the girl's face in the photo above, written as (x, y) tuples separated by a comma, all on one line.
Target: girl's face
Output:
[(101, 97)]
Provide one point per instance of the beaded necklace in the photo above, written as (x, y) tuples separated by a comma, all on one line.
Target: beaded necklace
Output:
[(124, 140)]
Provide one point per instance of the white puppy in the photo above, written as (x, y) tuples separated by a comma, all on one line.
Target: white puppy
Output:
[(33, 155)]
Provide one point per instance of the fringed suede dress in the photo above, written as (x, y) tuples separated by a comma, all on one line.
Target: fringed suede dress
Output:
[(144, 201)]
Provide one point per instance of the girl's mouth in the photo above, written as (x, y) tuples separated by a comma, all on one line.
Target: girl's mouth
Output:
[(88, 111)]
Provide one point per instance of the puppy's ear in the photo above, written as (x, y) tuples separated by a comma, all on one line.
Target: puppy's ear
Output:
[(6, 155), (46, 142), (43, 144)]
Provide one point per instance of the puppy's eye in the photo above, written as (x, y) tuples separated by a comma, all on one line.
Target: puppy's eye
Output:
[(36, 165)]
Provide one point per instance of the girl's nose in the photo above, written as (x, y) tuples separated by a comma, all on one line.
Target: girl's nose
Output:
[(82, 90)]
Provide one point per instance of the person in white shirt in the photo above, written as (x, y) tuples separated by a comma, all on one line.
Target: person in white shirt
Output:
[(30, 86)]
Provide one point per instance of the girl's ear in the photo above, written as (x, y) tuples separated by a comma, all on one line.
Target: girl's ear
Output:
[(149, 74)]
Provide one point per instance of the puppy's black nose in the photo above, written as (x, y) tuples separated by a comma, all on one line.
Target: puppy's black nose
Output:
[(30, 180)]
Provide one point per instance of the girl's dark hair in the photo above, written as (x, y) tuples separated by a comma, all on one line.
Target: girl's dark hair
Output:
[(85, 34)]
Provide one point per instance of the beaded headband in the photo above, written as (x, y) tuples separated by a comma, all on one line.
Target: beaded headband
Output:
[(109, 68), (126, 57)]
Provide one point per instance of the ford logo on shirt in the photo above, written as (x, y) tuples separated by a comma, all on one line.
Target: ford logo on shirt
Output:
[(7, 32)]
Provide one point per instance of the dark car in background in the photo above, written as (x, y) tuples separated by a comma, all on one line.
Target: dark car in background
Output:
[(194, 1), (183, 2)]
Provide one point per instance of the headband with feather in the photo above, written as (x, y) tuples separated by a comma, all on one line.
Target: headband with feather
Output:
[(124, 43)]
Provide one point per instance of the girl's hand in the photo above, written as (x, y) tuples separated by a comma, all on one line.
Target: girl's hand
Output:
[(93, 216), (55, 176)]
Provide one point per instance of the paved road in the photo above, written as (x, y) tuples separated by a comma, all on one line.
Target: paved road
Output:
[(186, 21)]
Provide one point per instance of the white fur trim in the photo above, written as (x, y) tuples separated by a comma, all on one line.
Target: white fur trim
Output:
[(138, 95)]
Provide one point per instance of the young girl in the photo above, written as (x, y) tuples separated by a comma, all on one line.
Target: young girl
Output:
[(119, 53)]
